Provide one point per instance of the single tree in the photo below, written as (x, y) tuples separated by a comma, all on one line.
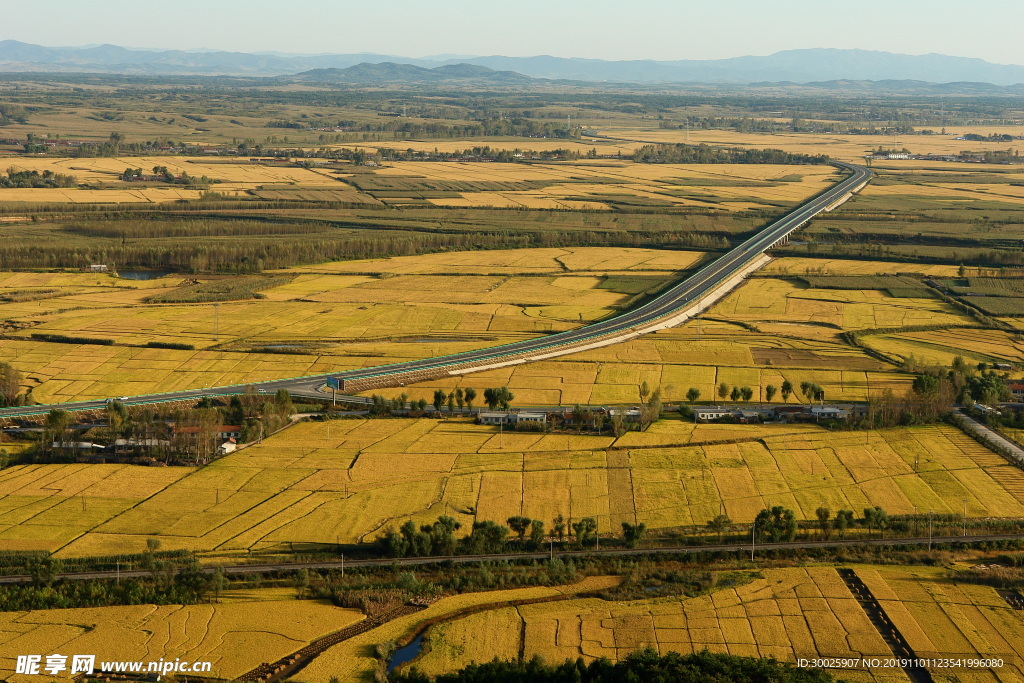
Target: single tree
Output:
[(558, 527), (735, 394), (747, 393), (719, 525), (439, 399), (787, 390), (10, 384), (536, 533), (632, 534), (723, 390), (644, 391), (824, 514), (470, 396), (519, 524), (584, 530), (460, 398), (692, 394), (842, 522), (769, 392)]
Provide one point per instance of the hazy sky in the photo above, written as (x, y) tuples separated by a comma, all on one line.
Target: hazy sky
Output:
[(604, 29)]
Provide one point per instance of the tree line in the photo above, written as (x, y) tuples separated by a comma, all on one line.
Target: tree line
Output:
[(680, 153), (488, 537)]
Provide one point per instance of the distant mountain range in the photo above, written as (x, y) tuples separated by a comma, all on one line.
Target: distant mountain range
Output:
[(796, 66), (389, 72)]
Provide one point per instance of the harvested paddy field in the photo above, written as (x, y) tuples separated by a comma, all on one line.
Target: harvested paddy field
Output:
[(233, 635), (317, 483), (787, 614)]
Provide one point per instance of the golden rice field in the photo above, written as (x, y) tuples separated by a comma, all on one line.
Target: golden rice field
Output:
[(946, 192), (563, 185), (347, 315), (540, 261), (769, 300), (235, 178), (426, 306), (353, 659), (941, 346), (234, 635), (798, 340), (684, 357), (45, 506), (594, 186), (851, 148), (347, 480), (798, 265), (789, 614)]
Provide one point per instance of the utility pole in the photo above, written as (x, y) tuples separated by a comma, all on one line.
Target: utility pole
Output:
[(753, 528), (118, 573)]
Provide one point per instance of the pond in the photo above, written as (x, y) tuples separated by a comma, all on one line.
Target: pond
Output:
[(142, 274), (405, 654)]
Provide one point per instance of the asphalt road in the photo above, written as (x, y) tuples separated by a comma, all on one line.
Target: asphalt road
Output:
[(664, 304), (744, 548)]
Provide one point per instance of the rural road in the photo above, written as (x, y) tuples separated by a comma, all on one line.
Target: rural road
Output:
[(541, 555), (678, 297)]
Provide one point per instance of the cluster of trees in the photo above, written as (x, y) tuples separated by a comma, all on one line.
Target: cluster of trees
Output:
[(934, 392), (36, 179), (994, 137), (488, 537), (10, 386), (778, 524), (163, 174), (680, 153), (644, 665)]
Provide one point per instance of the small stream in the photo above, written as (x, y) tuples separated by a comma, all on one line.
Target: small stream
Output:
[(406, 653)]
